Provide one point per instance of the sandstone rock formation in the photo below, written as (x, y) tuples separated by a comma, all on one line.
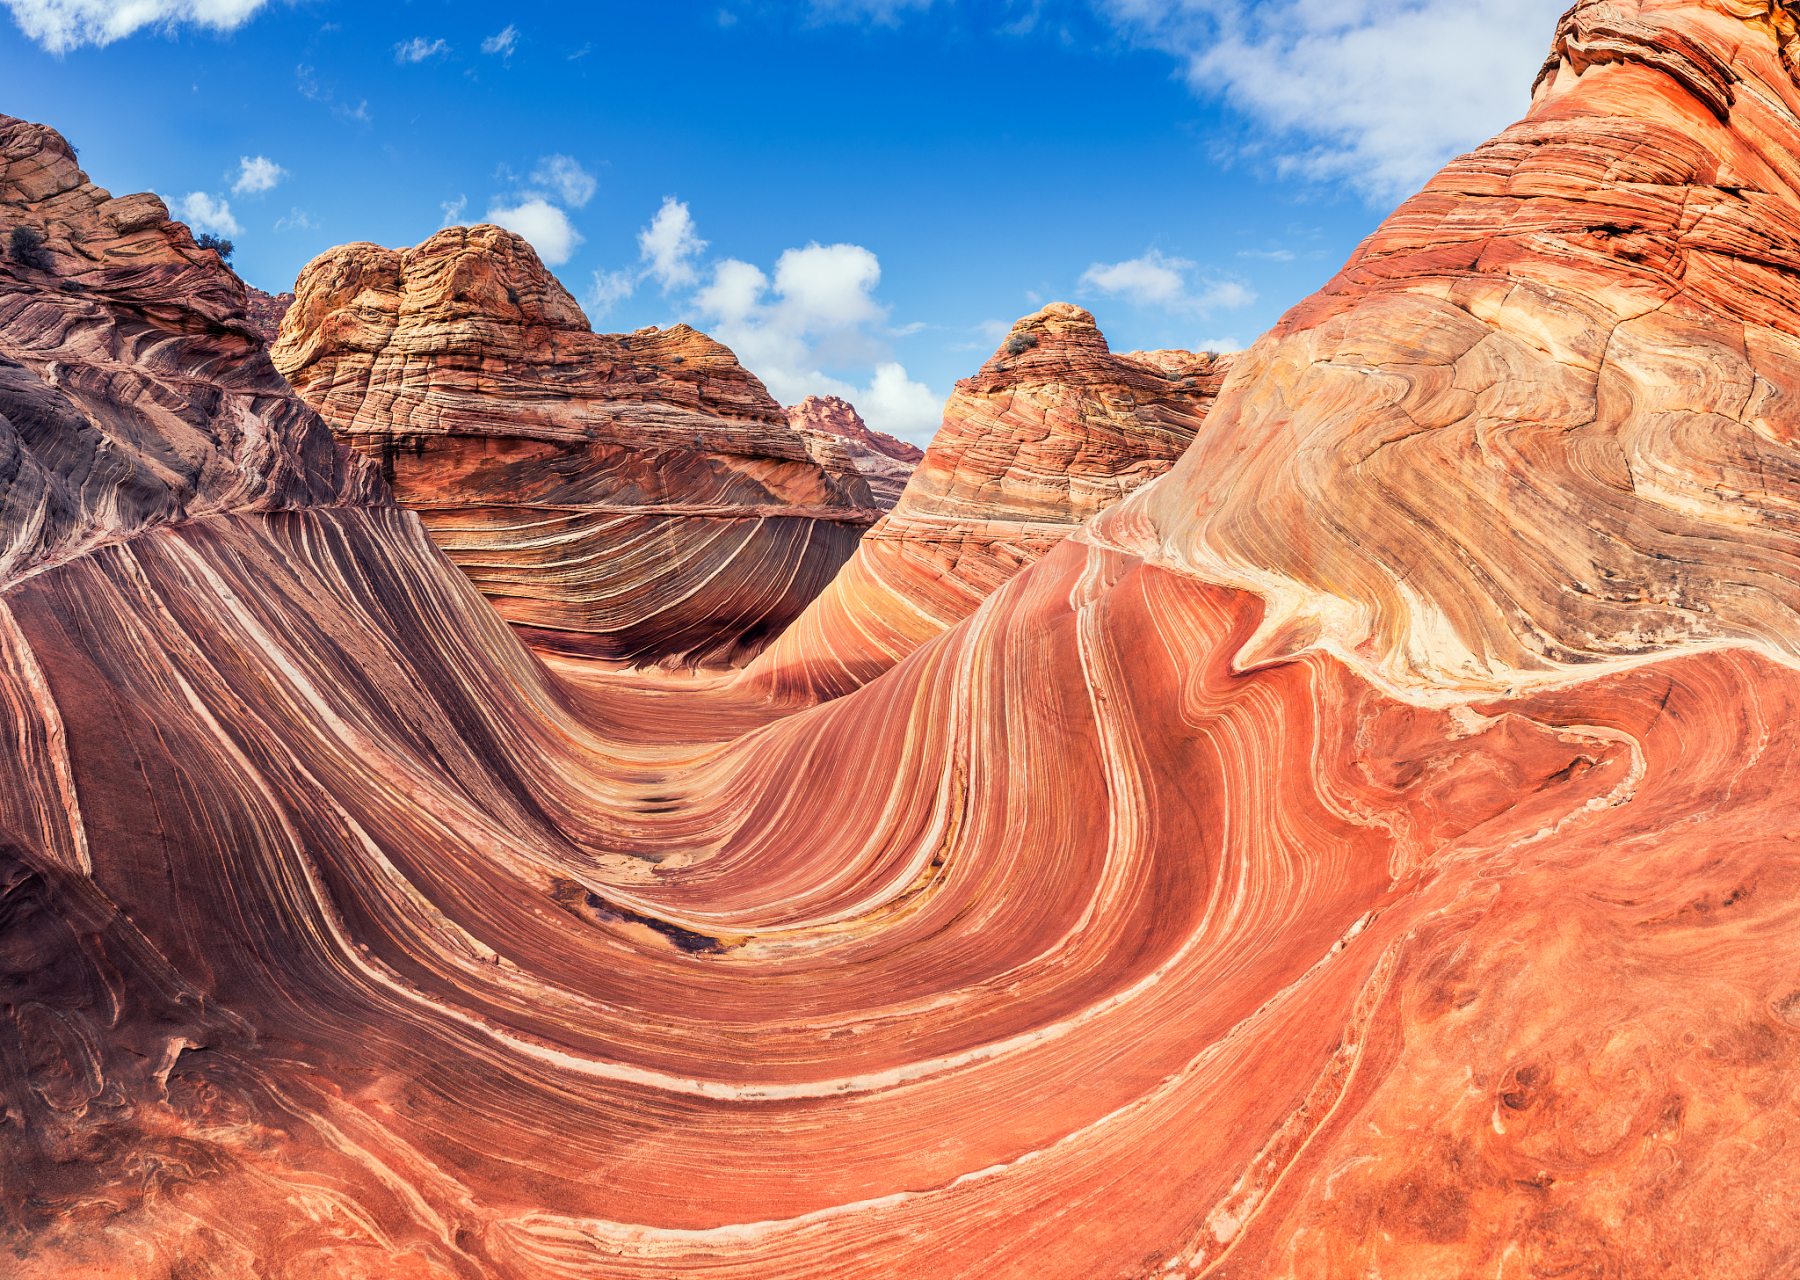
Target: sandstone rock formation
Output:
[(1186, 910), (1054, 428), (885, 462), (636, 497), (265, 311)]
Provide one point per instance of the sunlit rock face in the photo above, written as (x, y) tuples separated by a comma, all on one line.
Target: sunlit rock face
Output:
[(1116, 931), (885, 462), (1054, 428), (635, 497)]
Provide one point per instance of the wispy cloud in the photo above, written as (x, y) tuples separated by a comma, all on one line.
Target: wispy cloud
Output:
[(256, 174), (453, 212), (1156, 281), (503, 42), (883, 13), (418, 49), (1374, 93), (62, 25), (296, 220), (565, 176), (1268, 255)]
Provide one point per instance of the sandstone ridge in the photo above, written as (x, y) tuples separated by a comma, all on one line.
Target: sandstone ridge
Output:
[(634, 497), (885, 462), (1052, 429)]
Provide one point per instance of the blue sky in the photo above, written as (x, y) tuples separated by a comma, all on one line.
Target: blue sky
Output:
[(859, 196)]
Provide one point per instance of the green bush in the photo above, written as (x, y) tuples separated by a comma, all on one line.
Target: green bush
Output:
[(27, 248)]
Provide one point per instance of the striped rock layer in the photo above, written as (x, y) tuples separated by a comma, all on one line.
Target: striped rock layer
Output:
[(1117, 931), (633, 497), (1054, 428), (885, 462)]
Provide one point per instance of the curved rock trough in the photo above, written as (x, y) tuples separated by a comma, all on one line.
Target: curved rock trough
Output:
[(1371, 846)]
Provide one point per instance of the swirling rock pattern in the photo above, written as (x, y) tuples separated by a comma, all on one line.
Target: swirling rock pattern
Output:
[(634, 497), (1119, 930), (1054, 428), (885, 462)]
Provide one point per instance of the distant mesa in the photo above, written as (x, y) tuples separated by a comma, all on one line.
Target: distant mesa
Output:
[(638, 498), (885, 462), (1054, 428)]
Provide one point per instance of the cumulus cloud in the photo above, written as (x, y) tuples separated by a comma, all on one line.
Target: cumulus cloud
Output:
[(257, 174), (1156, 281), (503, 42), (565, 176), (418, 49), (205, 213), (543, 224), (61, 25), (670, 244), (817, 312), (1375, 93)]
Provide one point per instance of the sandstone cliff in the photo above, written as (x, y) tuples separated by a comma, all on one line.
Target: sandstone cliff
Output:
[(1054, 428), (265, 311), (1194, 907), (636, 497), (885, 462)]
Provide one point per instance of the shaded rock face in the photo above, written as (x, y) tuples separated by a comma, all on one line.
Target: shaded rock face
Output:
[(634, 497), (1054, 428), (339, 935), (133, 393), (264, 311), (885, 462)]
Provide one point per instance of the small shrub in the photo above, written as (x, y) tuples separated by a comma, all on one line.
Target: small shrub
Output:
[(1020, 343), (27, 248), (218, 244)]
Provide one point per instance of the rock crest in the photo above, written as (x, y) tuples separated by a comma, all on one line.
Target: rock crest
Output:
[(619, 496)]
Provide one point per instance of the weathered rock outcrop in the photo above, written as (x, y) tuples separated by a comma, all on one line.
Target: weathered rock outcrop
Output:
[(636, 497), (265, 311), (885, 462), (132, 391), (1054, 428), (1141, 924)]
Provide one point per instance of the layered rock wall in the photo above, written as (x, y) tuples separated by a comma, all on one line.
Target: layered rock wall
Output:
[(884, 461), (1054, 428), (634, 497)]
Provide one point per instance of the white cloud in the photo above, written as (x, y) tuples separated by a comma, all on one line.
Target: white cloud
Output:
[(203, 213), (1219, 346), (502, 43), (1156, 281), (418, 49), (1268, 255), (669, 244), (610, 289), (817, 312), (296, 220), (543, 224), (899, 406), (61, 25), (1375, 93), (257, 174), (453, 212), (567, 178)]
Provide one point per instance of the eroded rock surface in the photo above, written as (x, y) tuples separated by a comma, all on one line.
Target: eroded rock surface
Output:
[(265, 311), (635, 497), (885, 462), (1054, 428), (1150, 921)]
